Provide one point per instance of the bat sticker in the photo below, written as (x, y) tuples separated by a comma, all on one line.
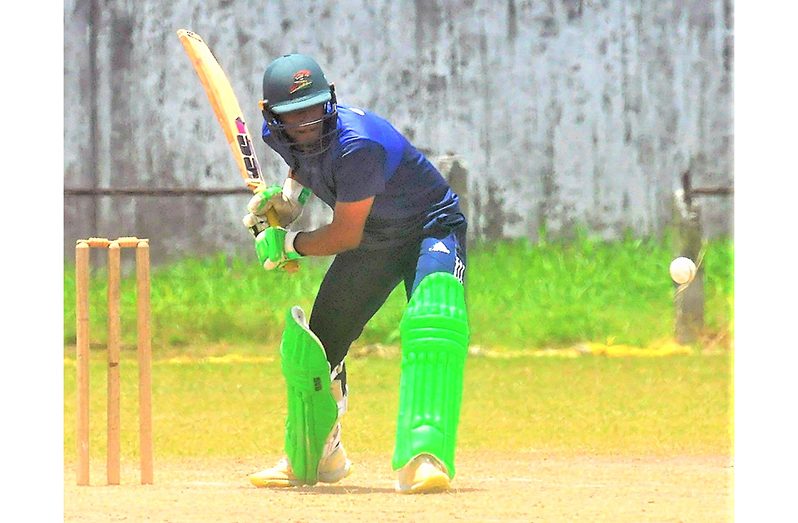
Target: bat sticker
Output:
[(247, 151)]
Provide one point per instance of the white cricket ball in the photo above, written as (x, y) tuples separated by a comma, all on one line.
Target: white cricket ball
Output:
[(683, 270)]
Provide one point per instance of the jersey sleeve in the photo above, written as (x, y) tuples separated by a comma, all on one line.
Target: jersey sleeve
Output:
[(360, 173)]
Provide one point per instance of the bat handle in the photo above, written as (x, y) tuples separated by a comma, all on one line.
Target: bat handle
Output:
[(274, 221)]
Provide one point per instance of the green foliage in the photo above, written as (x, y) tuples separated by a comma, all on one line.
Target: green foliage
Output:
[(520, 295), (555, 293)]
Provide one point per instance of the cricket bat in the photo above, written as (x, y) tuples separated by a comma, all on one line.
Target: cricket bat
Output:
[(229, 115)]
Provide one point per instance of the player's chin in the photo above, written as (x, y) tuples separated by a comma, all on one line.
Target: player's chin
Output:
[(309, 145)]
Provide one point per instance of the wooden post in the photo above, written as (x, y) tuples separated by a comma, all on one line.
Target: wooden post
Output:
[(114, 335), (82, 358), (145, 357), (689, 303)]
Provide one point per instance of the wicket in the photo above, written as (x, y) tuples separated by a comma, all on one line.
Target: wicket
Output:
[(82, 263)]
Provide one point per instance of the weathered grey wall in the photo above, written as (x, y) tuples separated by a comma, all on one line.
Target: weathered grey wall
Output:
[(564, 112)]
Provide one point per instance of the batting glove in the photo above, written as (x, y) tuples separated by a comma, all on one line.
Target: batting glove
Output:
[(287, 201), (275, 247), (255, 224)]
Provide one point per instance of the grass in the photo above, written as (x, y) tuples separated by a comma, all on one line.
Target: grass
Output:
[(520, 295), (593, 405)]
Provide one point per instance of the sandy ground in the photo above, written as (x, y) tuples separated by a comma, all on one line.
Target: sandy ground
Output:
[(488, 487)]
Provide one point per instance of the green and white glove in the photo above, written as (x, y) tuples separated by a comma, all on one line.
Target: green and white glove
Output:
[(287, 201), (275, 247), (255, 224)]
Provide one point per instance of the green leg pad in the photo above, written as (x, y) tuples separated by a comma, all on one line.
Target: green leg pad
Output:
[(434, 335), (312, 410)]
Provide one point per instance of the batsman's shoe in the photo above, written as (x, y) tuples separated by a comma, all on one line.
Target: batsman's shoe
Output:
[(424, 474), (332, 469)]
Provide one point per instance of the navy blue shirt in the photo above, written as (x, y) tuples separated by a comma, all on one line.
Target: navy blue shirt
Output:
[(369, 157)]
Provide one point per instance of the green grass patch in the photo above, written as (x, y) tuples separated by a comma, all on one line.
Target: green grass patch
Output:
[(655, 406), (520, 295)]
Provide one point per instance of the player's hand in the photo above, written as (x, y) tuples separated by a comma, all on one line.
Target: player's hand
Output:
[(275, 248), (264, 199), (255, 224), (286, 201)]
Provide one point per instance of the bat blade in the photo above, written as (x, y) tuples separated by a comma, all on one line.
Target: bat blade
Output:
[(225, 105), (228, 113)]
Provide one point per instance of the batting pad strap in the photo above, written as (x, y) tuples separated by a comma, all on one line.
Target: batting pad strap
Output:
[(312, 410), (434, 336)]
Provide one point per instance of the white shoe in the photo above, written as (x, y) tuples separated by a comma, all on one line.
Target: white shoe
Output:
[(424, 474), (332, 469)]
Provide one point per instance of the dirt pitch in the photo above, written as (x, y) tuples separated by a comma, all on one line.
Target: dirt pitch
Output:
[(488, 487)]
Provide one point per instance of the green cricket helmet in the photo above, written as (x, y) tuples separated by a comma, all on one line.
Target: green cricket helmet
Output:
[(294, 82)]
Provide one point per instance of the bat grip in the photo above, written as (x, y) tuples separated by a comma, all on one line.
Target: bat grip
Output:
[(274, 221)]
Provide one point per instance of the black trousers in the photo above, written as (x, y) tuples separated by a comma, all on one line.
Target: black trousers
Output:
[(359, 282)]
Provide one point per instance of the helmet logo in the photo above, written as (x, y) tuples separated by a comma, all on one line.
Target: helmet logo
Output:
[(301, 81)]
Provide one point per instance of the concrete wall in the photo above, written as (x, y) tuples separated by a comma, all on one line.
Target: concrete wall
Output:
[(563, 112)]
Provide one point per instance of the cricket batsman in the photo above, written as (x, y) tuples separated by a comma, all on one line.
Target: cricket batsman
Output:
[(395, 220)]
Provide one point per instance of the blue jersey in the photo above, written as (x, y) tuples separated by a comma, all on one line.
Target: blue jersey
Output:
[(369, 157)]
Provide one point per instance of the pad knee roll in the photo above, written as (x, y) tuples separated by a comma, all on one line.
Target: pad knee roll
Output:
[(434, 336)]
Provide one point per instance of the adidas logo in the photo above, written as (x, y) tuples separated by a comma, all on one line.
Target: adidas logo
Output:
[(439, 247)]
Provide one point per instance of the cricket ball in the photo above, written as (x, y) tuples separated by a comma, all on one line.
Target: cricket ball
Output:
[(683, 270)]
